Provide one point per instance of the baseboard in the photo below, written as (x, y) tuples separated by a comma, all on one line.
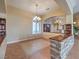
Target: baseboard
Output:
[(17, 41), (20, 40)]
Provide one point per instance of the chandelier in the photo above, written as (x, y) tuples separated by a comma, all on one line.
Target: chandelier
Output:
[(36, 17)]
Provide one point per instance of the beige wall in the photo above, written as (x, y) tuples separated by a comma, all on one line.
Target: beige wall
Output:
[(68, 18), (19, 24), (57, 12), (76, 19)]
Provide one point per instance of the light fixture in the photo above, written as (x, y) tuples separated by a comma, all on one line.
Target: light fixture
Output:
[(74, 22), (36, 17)]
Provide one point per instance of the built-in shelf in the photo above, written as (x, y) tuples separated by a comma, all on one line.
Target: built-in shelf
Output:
[(2, 29)]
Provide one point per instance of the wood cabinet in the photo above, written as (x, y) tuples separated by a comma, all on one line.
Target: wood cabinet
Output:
[(68, 29), (2, 29)]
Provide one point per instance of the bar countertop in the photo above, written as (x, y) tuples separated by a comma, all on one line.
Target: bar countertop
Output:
[(59, 38)]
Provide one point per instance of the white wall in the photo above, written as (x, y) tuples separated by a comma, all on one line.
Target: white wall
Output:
[(3, 49), (69, 17), (2, 7), (4, 43), (19, 24)]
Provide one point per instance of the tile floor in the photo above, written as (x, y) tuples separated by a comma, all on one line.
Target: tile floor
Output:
[(36, 49)]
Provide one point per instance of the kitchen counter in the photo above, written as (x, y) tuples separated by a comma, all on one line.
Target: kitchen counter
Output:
[(60, 38), (60, 46), (47, 35)]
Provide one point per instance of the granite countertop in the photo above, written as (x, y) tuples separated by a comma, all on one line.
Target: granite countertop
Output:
[(60, 38)]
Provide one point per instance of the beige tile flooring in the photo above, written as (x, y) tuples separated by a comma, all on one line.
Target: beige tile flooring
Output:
[(36, 49), (74, 53)]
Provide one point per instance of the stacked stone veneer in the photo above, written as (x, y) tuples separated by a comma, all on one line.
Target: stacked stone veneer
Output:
[(60, 50)]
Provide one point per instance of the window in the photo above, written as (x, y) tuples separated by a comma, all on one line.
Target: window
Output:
[(36, 25)]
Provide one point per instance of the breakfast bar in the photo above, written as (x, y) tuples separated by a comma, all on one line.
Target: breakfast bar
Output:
[(60, 46)]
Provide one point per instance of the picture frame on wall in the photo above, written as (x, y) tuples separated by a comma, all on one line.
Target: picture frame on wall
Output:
[(46, 27)]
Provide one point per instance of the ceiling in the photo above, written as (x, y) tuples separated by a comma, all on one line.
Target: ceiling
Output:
[(76, 8), (44, 6), (75, 4)]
